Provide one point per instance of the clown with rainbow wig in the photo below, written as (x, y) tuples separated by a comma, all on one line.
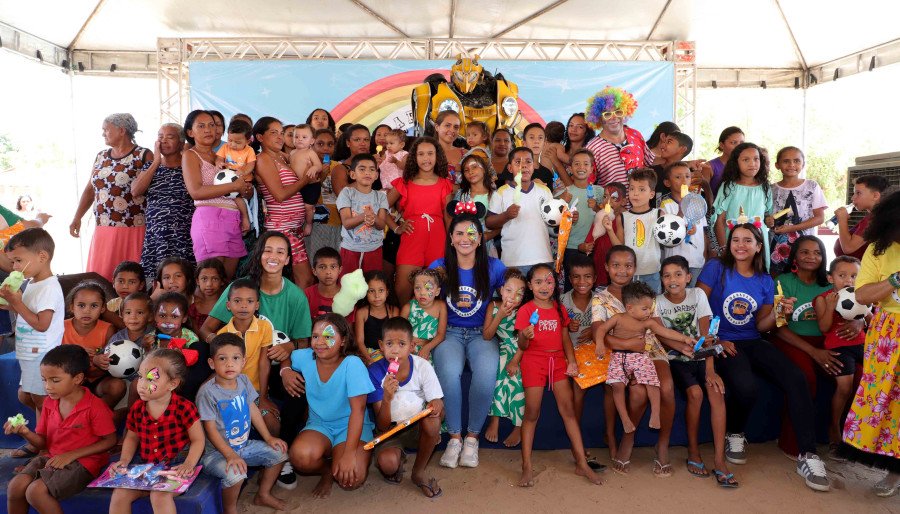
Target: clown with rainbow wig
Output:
[(618, 148)]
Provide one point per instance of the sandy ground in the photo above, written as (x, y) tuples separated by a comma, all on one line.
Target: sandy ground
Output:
[(768, 483)]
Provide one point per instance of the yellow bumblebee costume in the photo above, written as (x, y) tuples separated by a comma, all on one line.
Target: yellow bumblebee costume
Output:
[(475, 94)]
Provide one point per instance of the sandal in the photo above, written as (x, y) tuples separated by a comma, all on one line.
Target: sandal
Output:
[(397, 477), (24, 452), (430, 489), (621, 467), (661, 470), (725, 480), (595, 465), (697, 469), (883, 490)]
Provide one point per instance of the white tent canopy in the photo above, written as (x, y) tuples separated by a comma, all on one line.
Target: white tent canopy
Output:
[(766, 36)]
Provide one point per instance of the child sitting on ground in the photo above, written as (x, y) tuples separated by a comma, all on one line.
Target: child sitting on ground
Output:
[(841, 273), (629, 359), (227, 406), (87, 302), (128, 278), (75, 428), (161, 427), (41, 311), (258, 337), (239, 157), (363, 217), (394, 161), (399, 396)]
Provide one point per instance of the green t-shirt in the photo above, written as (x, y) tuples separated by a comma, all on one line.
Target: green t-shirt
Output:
[(585, 217), (288, 310), (10, 217), (803, 321)]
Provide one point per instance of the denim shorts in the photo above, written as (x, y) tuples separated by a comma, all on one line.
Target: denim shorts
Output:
[(255, 453)]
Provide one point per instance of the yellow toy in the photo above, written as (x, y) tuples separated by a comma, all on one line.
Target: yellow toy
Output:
[(475, 94)]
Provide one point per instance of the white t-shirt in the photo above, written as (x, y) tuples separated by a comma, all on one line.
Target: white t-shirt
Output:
[(38, 297), (684, 317), (638, 234), (524, 239), (421, 387), (695, 250), (808, 196)]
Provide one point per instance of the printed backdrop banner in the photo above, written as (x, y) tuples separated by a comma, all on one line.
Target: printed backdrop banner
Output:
[(375, 92)]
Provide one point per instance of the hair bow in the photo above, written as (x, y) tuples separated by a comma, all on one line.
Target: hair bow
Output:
[(190, 356), (466, 207)]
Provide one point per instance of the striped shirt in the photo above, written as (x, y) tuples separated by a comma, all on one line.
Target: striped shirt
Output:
[(612, 163), (287, 214)]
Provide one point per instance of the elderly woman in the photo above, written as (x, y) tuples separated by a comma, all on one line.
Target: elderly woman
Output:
[(119, 213), (169, 206), (618, 148)]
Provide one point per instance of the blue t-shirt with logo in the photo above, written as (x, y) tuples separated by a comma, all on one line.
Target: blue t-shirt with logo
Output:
[(468, 311), (736, 299)]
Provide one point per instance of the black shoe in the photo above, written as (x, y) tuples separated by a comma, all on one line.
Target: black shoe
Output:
[(287, 479)]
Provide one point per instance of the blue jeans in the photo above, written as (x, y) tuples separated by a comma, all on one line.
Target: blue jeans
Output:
[(652, 280), (695, 274), (256, 453), (461, 345)]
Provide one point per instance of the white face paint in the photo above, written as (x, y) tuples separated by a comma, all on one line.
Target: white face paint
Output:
[(176, 312)]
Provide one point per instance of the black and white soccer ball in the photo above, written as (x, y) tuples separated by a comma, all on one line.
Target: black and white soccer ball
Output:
[(669, 230), (552, 211), (848, 307), (226, 176), (124, 358)]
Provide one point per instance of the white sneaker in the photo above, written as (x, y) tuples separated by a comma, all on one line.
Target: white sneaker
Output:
[(450, 459), (735, 450), (469, 457)]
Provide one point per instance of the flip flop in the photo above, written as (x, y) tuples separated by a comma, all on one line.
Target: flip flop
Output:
[(397, 477), (24, 452), (661, 470), (430, 487), (693, 466), (621, 467), (725, 480), (595, 465)]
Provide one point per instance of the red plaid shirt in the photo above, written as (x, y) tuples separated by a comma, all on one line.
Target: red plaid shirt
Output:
[(163, 438)]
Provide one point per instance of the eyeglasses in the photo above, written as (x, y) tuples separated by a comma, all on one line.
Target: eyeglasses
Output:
[(609, 114)]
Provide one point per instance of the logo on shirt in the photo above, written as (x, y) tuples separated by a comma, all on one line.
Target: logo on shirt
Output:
[(683, 322), (468, 304), (236, 420), (548, 325), (739, 308), (804, 312)]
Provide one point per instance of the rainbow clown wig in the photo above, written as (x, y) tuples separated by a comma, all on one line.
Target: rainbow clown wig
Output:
[(606, 100)]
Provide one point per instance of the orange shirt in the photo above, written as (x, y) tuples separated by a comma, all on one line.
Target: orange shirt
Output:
[(93, 342)]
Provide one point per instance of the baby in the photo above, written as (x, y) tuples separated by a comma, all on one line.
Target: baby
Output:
[(629, 357), (394, 160)]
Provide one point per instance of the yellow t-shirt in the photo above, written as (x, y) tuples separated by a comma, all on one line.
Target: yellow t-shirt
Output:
[(876, 268), (258, 336)]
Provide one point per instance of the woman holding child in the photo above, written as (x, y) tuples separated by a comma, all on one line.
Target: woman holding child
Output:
[(119, 213), (742, 295)]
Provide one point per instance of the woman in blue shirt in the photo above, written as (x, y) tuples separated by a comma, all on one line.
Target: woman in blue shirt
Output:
[(471, 279), (741, 294)]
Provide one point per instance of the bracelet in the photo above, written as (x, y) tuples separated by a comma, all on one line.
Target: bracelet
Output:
[(282, 370), (894, 280)]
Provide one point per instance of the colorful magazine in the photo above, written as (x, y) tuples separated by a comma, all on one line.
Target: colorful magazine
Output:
[(146, 477)]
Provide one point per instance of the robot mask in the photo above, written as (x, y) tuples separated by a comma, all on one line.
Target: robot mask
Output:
[(465, 74)]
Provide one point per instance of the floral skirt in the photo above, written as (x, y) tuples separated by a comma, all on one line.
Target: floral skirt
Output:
[(872, 424), (509, 394)]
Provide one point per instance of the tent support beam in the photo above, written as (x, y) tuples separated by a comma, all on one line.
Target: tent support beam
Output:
[(658, 19), (379, 17), (793, 39), (527, 19), (27, 45), (84, 25)]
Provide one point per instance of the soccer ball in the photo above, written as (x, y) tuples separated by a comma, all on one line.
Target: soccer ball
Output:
[(552, 211), (226, 177), (281, 337), (124, 358), (669, 230), (848, 307)]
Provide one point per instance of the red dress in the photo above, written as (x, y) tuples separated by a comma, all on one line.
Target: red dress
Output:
[(423, 207)]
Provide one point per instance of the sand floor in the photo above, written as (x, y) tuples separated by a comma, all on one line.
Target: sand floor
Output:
[(768, 483)]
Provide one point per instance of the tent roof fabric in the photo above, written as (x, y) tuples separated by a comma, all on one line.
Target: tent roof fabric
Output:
[(748, 34)]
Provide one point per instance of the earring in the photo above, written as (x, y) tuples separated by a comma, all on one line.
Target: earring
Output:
[(795, 268)]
